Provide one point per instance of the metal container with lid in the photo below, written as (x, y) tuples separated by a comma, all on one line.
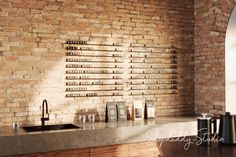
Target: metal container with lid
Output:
[(227, 130), (205, 133)]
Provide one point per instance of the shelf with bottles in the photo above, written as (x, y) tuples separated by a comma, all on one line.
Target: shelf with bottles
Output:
[(151, 48), (147, 57), (161, 71), (156, 62), (89, 66), (164, 82), (74, 95), (84, 89), (81, 54), (79, 48), (94, 83), (151, 53), (94, 65), (93, 78), (83, 42), (153, 93), (156, 46), (166, 77), (90, 60), (168, 67), (94, 72), (153, 88)]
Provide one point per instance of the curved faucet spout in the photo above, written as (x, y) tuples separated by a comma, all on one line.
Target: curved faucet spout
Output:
[(43, 119)]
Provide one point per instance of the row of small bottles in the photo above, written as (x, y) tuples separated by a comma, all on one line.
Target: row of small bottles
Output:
[(76, 42)]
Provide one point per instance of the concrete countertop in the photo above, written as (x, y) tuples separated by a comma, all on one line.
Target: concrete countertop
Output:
[(94, 134)]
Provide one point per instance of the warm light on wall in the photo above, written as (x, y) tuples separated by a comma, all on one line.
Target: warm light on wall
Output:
[(52, 88)]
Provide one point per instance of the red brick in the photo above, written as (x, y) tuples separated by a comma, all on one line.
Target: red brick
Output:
[(32, 51), (209, 45)]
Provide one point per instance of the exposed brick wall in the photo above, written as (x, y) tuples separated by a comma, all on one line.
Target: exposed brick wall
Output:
[(211, 20), (32, 54)]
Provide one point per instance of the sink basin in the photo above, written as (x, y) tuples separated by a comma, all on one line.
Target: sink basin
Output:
[(50, 127)]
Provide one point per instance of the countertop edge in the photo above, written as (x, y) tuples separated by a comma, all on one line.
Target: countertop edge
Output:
[(92, 137)]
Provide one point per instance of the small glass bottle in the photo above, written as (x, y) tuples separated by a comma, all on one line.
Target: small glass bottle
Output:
[(15, 125)]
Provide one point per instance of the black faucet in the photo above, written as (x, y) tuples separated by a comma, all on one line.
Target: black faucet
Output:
[(43, 119)]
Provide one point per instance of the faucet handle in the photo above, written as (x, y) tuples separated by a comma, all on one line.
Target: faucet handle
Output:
[(47, 117)]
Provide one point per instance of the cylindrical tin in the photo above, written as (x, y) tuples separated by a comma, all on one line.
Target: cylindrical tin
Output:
[(205, 132)]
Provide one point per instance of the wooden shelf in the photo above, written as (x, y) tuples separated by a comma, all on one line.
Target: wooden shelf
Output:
[(161, 57), (92, 73), (96, 67), (139, 94), (139, 68), (150, 46), (89, 61), (162, 73), (156, 63), (93, 44), (154, 56), (94, 96), (153, 67), (74, 48), (96, 79), (94, 90), (75, 85), (95, 71), (152, 78), (151, 84), (153, 89), (80, 42), (152, 52), (108, 56)]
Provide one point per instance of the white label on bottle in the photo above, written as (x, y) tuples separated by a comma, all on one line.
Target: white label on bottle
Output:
[(150, 112)]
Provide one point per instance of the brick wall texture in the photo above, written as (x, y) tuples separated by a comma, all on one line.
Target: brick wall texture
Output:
[(32, 52), (211, 20)]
